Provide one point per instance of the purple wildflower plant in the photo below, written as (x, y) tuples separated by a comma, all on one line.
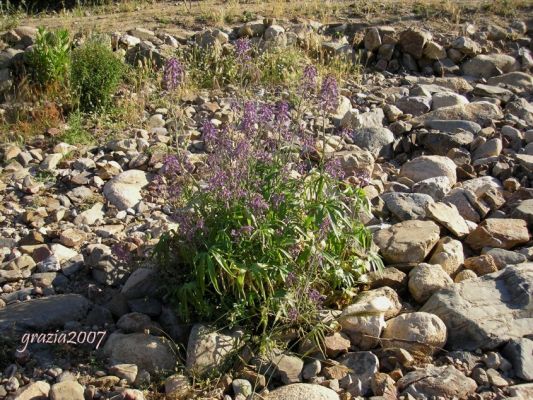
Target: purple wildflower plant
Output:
[(334, 169), (329, 94), (293, 314), (173, 74), (309, 81), (249, 118), (316, 298), (243, 48)]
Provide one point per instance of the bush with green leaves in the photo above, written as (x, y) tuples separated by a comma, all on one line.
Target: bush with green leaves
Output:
[(96, 74), (49, 59), (268, 232)]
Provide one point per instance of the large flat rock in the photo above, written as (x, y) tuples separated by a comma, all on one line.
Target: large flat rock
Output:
[(43, 314), (488, 311)]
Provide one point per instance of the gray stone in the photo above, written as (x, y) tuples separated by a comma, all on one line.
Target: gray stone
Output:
[(425, 167), (488, 311), (362, 367), (124, 190), (449, 255), (141, 283), (376, 140), (148, 352), (407, 206), (43, 314), (448, 216), (67, 390), (489, 65), (208, 349), (412, 41), (452, 126), (433, 382), (414, 105), (504, 233), (479, 112), (443, 99), (504, 257), (517, 80), (524, 211), (420, 333), (520, 353)]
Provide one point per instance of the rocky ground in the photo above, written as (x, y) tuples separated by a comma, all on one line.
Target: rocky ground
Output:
[(444, 125)]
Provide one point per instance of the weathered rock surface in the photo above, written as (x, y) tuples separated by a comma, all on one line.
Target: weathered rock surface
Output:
[(503, 233), (420, 333), (148, 352), (431, 382), (124, 190), (408, 241), (299, 391), (486, 312), (43, 314)]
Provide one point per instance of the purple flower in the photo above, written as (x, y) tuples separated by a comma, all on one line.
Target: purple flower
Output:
[(171, 165), (258, 204), (173, 73), (249, 118), (265, 114), (316, 297), (293, 314), (291, 279), (329, 94), (242, 49), (364, 178), (309, 81), (334, 169), (324, 228), (278, 199), (210, 131)]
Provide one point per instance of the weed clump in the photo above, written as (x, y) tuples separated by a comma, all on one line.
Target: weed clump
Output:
[(95, 76), (268, 231)]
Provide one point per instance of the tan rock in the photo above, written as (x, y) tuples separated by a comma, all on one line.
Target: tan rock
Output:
[(408, 241), (448, 254), (425, 279), (464, 275), (425, 167), (448, 216), (420, 333), (33, 391), (481, 265), (67, 390), (504, 233)]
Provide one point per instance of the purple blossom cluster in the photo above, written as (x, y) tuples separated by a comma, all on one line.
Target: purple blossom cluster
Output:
[(173, 74), (309, 81), (329, 94), (243, 48)]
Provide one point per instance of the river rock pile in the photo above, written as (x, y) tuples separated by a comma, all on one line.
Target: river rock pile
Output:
[(448, 142)]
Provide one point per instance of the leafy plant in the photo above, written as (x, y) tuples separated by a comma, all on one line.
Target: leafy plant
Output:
[(95, 76), (76, 132), (49, 59), (268, 232)]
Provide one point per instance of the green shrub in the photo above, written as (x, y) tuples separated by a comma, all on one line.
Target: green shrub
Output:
[(49, 60), (95, 75)]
